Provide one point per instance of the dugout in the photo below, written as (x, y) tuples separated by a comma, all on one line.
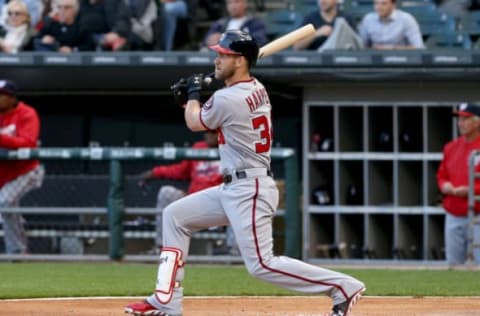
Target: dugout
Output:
[(369, 128)]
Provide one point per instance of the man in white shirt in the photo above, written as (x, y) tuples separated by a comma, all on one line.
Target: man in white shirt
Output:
[(390, 28)]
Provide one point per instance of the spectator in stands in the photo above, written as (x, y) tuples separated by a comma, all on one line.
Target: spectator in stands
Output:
[(94, 18), (62, 30), (134, 25), (201, 174), (173, 10), (17, 34), (390, 28), (19, 128), (452, 178), (99, 17), (35, 10), (238, 18), (144, 23), (330, 23)]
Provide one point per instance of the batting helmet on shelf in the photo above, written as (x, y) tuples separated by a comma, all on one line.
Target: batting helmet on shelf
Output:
[(236, 42)]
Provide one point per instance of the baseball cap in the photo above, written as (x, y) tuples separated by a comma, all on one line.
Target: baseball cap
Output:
[(467, 109), (8, 87)]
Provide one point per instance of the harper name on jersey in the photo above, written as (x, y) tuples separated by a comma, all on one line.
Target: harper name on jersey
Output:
[(258, 98)]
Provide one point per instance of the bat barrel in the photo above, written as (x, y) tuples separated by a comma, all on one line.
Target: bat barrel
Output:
[(286, 40)]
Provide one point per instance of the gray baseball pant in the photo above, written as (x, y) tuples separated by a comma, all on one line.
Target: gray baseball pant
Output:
[(456, 240), (166, 195), (15, 237)]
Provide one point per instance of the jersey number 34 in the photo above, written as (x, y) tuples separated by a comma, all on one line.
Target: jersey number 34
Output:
[(261, 123)]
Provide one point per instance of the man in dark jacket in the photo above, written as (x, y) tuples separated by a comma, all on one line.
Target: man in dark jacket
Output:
[(123, 25), (238, 19), (63, 31), (324, 22)]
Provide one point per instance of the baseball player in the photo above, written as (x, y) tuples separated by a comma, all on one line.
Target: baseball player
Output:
[(19, 127), (452, 179), (248, 197)]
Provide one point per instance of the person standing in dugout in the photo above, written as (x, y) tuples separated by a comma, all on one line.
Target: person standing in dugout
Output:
[(452, 179), (248, 197), (19, 128)]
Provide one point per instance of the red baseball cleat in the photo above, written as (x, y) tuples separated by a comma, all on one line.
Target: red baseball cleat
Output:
[(344, 309), (143, 308)]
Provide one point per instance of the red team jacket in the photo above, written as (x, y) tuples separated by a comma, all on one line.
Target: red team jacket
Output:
[(202, 174), (18, 128), (454, 169)]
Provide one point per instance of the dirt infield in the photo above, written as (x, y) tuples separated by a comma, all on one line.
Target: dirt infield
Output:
[(252, 306)]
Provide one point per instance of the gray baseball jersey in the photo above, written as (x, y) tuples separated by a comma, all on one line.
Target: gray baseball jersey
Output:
[(247, 200), (241, 114)]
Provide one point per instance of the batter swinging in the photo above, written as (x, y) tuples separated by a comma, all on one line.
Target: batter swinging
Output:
[(248, 197)]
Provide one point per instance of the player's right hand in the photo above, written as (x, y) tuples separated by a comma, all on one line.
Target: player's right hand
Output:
[(194, 84)]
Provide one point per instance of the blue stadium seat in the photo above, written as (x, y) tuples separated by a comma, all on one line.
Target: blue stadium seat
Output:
[(418, 8), (306, 8), (470, 23), (358, 8), (414, 2), (361, 3), (279, 22), (449, 40), (435, 22), (306, 2)]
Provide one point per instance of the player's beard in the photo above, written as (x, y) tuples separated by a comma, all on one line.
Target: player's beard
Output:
[(224, 74)]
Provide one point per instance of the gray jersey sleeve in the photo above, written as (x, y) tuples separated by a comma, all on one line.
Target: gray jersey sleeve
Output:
[(215, 112)]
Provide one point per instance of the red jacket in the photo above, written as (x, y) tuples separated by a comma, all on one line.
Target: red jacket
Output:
[(454, 169), (202, 174), (18, 128)]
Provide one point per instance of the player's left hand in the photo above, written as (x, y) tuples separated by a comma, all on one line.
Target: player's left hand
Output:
[(180, 93)]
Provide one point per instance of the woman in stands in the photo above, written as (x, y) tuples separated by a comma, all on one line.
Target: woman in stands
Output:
[(17, 33)]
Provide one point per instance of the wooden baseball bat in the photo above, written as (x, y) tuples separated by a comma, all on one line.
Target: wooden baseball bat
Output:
[(286, 40), (276, 45)]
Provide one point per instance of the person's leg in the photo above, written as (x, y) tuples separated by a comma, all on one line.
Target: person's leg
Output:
[(250, 205), (166, 195), (342, 37), (456, 229), (173, 10), (15, 237), (180, 220), (13, 232)]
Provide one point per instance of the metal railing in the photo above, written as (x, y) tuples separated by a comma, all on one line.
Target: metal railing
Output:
[(115, 208), (473, 198)]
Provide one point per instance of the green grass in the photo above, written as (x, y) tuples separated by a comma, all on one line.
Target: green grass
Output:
[(26, 280)]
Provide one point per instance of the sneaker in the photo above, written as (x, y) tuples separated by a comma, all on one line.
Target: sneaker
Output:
[(143, 308), (344, 309)]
